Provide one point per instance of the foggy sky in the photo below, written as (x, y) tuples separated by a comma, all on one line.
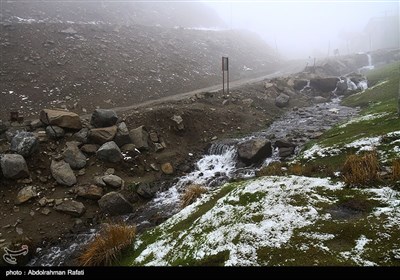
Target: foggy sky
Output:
[(299, 29)]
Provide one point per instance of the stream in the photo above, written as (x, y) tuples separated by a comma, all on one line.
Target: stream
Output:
[(216, 167)]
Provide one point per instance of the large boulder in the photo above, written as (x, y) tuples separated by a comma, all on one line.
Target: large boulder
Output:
[(254, 150), (24, 143), (74, 156), (103, 118), (14, 166), (139, 137), (299, 84), (102, 135), (282, 143), (286, 151), (282, 100), (114, 203), (61, 118), (62, 173), (122, 137), (109, 152), (324, 84), (71, 207)]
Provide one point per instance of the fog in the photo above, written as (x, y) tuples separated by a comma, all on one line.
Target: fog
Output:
[(299, 29)]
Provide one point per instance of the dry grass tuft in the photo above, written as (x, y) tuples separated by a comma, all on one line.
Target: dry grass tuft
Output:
[(273, 169), (361, 169), (192, 192), (296, 169), (108, 245), (396, 170)]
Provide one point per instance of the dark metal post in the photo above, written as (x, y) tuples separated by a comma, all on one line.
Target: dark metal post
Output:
[(227, 73), (223, 75)]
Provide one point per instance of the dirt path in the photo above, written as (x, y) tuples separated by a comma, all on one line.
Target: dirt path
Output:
[(292, 68)]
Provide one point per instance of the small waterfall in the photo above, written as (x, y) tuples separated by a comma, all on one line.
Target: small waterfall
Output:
[(351, 85), (307, 86), (369, 66), (369, 60)]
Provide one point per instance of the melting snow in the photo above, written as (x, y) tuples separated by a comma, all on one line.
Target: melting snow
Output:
[(279, 220)]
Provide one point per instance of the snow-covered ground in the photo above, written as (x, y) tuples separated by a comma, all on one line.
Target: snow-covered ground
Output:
[(260, 214)]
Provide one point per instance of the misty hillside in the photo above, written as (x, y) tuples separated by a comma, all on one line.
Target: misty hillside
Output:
[(113, 12), (65, 64)]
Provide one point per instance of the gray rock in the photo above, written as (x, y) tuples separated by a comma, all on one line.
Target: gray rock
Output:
[(113, 181), (90, 148), (341, 87), (102, 135), (35, 124), (90, 192), (82, 135), (60, 118), (299, 84), (62, 173), (98, 181), (25, 194), (24, 143), (109, 152), (282, 100), (54, 132), (324, 84), (122, 137), (14, 166), (254, 150), (147, 190), (114, 203), (74, 156), (139, 137), (103, 118), (178, 121), (284, 144), (71, 207), (286, 151)]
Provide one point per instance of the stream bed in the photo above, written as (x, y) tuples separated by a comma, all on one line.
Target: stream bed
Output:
[(216, 167)]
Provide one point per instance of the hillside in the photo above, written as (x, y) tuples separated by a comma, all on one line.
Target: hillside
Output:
[(166, 14), (337, 203), (81, 66)]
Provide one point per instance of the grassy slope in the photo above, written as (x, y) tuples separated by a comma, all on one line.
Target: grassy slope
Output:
[(204, 233)]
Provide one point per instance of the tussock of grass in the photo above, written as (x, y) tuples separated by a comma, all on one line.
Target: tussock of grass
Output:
[(396, 170), (108, 245), (273, 169), (361, 170), (192, 192)]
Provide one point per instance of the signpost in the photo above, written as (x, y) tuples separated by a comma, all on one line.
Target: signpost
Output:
[(225, 68)]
